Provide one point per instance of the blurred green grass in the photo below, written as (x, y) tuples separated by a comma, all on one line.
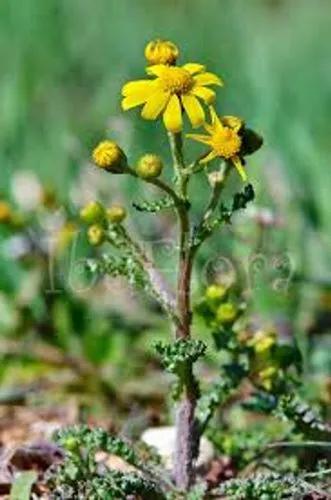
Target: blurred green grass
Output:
[(63, 63)]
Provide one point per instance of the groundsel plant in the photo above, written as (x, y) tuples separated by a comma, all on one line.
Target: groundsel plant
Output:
[(179, 95)]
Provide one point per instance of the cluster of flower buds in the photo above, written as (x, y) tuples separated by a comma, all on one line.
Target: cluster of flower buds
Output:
[(264, 367), (98, 218), (221, 309)]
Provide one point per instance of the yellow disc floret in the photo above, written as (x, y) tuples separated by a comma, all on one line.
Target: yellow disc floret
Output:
[(149, 166), (176, 80), (226, 142), (109, 156), (161, 52), (116, 214)]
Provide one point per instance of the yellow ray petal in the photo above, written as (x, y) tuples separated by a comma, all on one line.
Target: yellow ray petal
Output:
[(194, 68), (234, 122), (205, 139), (156, 70), (240, 168), (211, 156), (132, 101), (215, 121), (138, 87), (194, 110), (208, 79), (172, 116), (204, 93), (155, 105)]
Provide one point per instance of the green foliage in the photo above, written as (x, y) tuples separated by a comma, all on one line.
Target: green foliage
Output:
[(176, 355), (304, 419), (218, 393), (154, 206), (270, 486), (239, 202), (81, 476)]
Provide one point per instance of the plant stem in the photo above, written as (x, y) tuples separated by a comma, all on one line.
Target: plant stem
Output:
[(186, 440)]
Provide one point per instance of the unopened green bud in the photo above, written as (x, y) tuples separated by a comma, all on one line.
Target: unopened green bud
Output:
[(226, 313), (149, 166), (71, 444), (96, 234), (92, 212), (215, 293), (116, 214)]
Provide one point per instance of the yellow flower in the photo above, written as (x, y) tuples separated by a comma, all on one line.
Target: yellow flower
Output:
[(116, 214), (109, 156), (161, 52), (173, 89), (224, 139), (149, 166)]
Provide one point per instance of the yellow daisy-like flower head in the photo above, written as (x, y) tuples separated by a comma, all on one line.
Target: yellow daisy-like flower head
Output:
[(161, 52), (228, 139), (172, 90), (225, 140), (109, 156)]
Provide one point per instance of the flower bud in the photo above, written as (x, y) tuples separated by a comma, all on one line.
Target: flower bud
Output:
[(96, 234), (116, 214), (215, 293), (71, 444), (226, 313), (161, 52), (92, 212), (5, 212), (263, 342), (267, 376), (149, 166), (109, 156)]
